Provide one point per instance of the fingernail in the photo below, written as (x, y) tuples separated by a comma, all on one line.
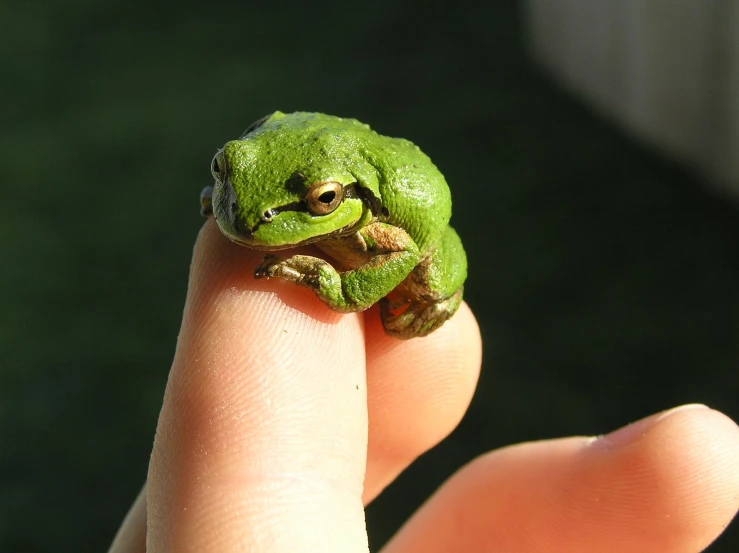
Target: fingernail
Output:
[(636, 430)]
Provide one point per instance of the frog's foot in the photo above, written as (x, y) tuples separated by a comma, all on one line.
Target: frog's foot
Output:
[(206, 203), (418, 318), (304, 270), (308, 271)]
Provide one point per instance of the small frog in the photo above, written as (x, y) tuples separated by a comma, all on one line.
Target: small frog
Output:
[(375, 205)]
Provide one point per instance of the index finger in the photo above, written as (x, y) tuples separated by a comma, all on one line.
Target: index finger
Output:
[(262, 437)]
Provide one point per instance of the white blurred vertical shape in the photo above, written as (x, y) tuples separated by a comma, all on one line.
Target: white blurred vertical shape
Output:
[(666, 69), (725, 149)]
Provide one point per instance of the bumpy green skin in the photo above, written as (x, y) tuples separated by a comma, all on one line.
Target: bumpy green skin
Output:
[(387, 229)]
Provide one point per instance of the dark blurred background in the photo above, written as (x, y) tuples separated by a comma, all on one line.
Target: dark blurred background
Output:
[(603, 274)]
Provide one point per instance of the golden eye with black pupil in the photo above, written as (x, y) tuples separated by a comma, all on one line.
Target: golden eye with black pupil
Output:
[(217, 166), (324, 197)]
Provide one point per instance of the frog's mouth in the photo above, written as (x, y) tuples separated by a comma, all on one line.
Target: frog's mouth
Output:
[(225, 212)]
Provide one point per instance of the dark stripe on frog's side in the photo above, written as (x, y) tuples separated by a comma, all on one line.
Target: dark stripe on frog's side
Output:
[(370, 200)]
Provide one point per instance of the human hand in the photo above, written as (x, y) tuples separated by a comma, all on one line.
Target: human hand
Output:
[(282, 419)]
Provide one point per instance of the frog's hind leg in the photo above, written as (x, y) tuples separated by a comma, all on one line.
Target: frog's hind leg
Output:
[(419, 318), (430, 294)]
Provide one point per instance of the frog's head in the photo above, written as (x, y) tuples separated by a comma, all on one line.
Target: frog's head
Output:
[(291, 180)]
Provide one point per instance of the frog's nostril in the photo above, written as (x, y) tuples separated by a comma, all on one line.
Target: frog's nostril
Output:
[(269, 214), (234, 207)]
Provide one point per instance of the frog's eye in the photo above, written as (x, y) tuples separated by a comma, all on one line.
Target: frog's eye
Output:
[(218, 166), (324, 197)]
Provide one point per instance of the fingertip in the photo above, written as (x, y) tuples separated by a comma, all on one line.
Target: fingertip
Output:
[(672, 487), (264, 422), (220, 266), (675, 470), (418, 391), (688, 457)]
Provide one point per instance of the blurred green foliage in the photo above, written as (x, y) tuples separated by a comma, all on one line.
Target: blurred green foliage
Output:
[(604, 276)]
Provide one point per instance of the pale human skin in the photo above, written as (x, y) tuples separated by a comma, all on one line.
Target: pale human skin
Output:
[(282, 419)]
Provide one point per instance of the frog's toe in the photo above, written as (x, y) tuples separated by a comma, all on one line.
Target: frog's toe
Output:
[(268, 267), (206, 201), (304, 270), (419, 318)]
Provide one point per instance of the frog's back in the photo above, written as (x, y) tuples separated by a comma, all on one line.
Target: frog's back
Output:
[(412, 189), (413, 193)]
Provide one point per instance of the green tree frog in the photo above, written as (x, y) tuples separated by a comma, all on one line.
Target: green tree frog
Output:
[(377, 206)]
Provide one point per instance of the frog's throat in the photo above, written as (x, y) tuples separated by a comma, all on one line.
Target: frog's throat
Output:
[(247, 239), (266, 248)]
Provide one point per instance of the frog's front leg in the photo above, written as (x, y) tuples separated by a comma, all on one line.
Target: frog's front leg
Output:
[(389, 253)]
